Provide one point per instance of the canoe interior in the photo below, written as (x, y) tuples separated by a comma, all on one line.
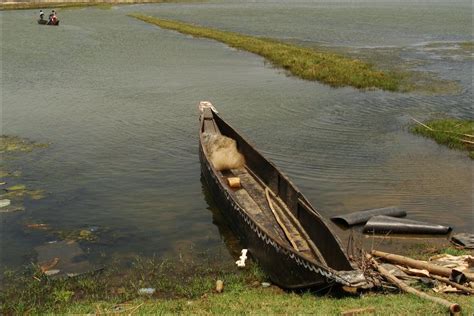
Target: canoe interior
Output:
[(258, 177)]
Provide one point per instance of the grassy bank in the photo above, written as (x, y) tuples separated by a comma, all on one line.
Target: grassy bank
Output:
[(454, 133), (259, 301), (306, 63), (50, 5), (189, 287), (65, 4)]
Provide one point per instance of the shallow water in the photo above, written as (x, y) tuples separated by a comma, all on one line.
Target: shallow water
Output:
[(116, 98)]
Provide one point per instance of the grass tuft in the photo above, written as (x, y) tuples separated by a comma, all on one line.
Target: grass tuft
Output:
[(306, 63), (454, 133)]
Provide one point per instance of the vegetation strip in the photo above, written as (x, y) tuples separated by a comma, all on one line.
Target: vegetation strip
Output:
[(454, 133), (184, 288), (95, 3), (306, 63)]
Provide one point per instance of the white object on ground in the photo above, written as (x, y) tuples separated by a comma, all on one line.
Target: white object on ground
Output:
[(241, 262), (146, 291)]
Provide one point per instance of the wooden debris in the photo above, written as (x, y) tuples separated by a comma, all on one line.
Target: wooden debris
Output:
[(349, 289), (234, 182), (219, 286), (417, 272), (38, 226), (453, 308), (460, 263), (454, 284), (418, 264), (49, 264), (359, 311), (460, 287)]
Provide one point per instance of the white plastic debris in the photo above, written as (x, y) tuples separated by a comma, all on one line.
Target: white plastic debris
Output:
[(266, 284), (146, 291), (241, 262)]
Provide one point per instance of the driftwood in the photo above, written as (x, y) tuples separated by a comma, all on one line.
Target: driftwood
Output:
[(454, 308), (418, 264), (441, 279), (453, 284), (465, 141)]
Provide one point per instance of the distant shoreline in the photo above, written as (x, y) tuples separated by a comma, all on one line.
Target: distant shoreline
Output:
[(41, 4)]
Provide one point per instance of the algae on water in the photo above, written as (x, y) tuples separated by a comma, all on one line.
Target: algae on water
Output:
[(15, 144), (19, 191), (17, 187)]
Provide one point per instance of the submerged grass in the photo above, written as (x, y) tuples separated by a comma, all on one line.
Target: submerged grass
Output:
[(467, 45), (454, 133), (16, 144), (306, 63)]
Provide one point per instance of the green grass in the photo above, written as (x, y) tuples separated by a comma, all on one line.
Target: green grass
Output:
[(188, 288), (306, 63), (27, 290), (46, 5), (454, 133), (258, 301)]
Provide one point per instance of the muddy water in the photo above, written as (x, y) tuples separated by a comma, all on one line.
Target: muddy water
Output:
[(116, 98)]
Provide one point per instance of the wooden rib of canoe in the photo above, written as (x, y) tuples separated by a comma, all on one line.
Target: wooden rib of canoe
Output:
[(273, 220)]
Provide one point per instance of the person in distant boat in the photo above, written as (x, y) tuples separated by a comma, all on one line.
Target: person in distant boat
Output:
[(41, 15), (53, 18)]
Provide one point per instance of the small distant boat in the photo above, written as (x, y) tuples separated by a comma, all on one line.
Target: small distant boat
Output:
[(273, 220), (45, 22)]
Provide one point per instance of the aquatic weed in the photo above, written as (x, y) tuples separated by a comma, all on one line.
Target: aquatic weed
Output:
[(306, 63), (454, 133)]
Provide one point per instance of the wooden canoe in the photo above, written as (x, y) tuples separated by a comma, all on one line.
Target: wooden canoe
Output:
[(45, 22), (272, 219)]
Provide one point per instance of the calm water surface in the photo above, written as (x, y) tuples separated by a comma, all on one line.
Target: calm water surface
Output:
[(116, 98)]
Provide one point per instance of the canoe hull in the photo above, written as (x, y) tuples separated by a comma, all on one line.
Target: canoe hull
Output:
[(282, 267), (45, 22), (286, 265)]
